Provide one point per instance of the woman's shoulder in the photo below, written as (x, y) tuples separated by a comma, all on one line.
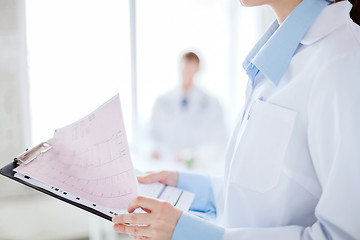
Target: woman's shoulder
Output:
[(340, 49), (334, 32), (340, 75), (343, 40)]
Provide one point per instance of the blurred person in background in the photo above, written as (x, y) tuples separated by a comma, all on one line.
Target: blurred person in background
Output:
[(187, 123)]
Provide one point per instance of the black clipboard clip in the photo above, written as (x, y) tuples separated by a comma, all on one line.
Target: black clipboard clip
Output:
[(31, 154)]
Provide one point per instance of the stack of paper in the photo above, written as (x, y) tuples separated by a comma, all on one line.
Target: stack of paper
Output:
[(89, 163)]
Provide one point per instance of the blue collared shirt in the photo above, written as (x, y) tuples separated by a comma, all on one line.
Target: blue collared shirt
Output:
[(273, 52), (271, 56)]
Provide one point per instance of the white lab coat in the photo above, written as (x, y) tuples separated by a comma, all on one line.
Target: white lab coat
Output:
[(293, 163), (175, 128)]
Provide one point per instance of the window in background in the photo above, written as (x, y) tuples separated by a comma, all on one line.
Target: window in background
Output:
[(78, 58)]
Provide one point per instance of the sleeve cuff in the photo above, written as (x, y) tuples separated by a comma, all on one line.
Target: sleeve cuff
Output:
[(201, 186), (193, 228), (193, 182)]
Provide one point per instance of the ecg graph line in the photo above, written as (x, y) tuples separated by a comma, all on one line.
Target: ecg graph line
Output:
[(90, 158)]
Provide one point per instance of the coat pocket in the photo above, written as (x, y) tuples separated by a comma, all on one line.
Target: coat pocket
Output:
[(257, 162)]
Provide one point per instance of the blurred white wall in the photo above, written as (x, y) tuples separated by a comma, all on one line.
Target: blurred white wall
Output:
[(26, 213), (14, 98), (79, 58), (267, 17)]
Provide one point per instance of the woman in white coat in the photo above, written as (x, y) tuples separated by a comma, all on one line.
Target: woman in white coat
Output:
[(293, 164)]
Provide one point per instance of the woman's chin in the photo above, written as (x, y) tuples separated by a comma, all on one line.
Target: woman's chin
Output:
[(252, 3)]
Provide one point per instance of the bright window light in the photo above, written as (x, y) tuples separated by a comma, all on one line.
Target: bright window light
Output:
[(78, 58)]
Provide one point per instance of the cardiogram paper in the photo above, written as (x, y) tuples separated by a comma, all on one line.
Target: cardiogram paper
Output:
[(90, 158)]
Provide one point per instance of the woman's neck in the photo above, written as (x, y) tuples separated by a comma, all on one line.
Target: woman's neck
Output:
[(283, 8)]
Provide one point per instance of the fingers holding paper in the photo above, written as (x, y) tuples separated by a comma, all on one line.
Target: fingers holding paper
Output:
[(169, 178), (158, 223)]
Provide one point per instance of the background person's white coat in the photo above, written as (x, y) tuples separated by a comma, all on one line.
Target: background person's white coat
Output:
[(198, 127)]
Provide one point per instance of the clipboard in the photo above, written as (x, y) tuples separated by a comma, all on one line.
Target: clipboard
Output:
[(30, 155), (121, 175), (183, 198)]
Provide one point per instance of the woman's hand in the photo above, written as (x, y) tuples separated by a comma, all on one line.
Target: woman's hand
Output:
[(158, 223), (166, 177), (161, 218)]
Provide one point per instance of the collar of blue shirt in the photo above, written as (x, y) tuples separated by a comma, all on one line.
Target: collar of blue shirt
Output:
[(273, 52)]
